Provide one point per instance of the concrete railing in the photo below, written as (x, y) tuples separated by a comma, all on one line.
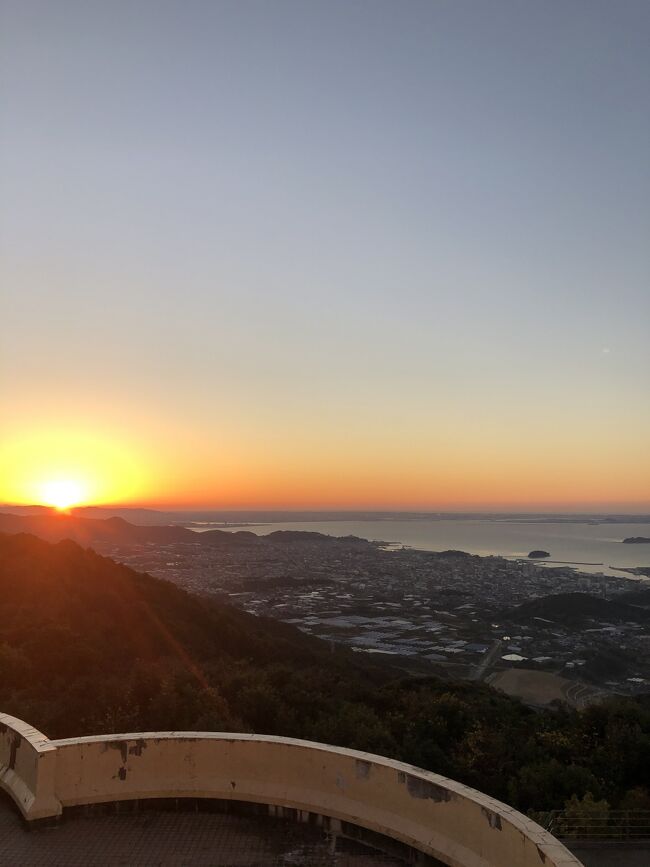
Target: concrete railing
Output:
[(27, 768), (429, 813)]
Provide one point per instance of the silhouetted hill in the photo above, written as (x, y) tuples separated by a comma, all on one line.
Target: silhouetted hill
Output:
[(308, 537), (54, 527), (571, 607), (132, 514), (68, 615), (71, 587)]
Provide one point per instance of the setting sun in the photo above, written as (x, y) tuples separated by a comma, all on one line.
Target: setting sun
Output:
[(62, 494), (69, 466)]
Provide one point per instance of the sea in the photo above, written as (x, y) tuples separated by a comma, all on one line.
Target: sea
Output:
[(587, 547)]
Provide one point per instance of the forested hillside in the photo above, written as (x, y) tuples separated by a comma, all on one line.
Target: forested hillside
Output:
[(90, 646)]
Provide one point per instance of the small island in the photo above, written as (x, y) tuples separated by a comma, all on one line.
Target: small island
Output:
[(636, 540), (536, 555)]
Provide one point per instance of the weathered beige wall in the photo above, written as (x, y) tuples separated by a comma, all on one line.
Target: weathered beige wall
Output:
[(456, 824), (27, 768)]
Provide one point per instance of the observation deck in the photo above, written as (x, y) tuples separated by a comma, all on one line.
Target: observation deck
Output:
[(248, 787)]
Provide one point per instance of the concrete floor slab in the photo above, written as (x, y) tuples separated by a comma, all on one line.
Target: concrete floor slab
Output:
[(177, 839)]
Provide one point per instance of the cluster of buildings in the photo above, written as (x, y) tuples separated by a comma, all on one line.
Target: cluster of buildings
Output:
[(457, 613)]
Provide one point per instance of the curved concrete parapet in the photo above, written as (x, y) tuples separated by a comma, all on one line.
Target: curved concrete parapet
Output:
[(27, 768), (431, 814)]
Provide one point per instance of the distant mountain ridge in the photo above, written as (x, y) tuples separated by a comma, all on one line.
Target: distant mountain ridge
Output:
[(54, 527), (140, 515)]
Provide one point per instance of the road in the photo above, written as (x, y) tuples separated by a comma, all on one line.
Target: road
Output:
[(488, 659)]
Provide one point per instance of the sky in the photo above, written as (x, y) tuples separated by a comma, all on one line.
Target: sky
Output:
[(326, 253)]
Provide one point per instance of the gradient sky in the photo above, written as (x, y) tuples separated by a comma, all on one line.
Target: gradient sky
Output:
[(388, 254)]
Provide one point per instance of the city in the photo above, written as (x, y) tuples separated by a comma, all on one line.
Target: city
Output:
[(458, 615)]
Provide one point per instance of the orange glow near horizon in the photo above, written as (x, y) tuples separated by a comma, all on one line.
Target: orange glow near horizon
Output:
[(68, 467), (404, 276), (64, 468)]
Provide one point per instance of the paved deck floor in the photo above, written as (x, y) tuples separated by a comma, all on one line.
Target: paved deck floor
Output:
[(177, 839)]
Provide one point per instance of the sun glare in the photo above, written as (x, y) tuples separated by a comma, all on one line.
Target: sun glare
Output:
[(62, 494), (70, 466)]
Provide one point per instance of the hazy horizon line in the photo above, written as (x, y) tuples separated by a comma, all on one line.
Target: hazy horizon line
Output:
[(619, 509)]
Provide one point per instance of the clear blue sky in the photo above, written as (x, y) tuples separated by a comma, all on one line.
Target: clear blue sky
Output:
[(397, 241)]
